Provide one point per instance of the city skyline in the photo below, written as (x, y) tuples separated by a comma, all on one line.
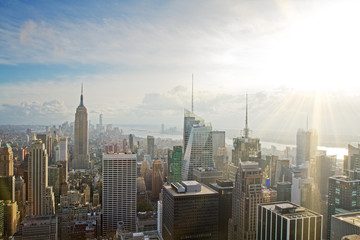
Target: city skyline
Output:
[(230, 47)]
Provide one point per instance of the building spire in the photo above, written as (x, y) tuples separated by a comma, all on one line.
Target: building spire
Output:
[(192, 95), (81, 97), (246, 130)]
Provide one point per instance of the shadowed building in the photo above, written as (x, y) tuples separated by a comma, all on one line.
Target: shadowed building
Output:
[(190, 211)]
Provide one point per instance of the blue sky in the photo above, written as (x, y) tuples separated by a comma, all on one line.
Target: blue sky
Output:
[(136, 59)]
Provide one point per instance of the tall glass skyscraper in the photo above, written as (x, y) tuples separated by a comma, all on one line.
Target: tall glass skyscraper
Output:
[(175, 164), (197, 145)]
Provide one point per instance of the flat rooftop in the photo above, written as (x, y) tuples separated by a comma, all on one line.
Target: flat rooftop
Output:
[(289, 210), (204, 190), (352, 218)]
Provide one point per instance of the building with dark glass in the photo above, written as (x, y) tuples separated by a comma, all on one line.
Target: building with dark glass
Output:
[(175, 164), (224, 187), (190, 211)]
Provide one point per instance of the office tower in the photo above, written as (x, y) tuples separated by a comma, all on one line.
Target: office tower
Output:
[(218, 141), (283, 191), (119, 191), (345, 224), (63, 149), (269, 195), (101, 123), (20, 196), (282, 171), (352, 160), (306, 145), (157, 179), (125, 145), (197, 145), (302, 190), (190, 211), (344, 195), (38, 227), (159, 217), (131, 142), (41, 197), (206, 175), (286, 220), (245, 147), (247, 194), (47, 139), (81, 156), (174, 164), (150, 146), (224, 188), (221, 159), (6, 161), (7, 188)]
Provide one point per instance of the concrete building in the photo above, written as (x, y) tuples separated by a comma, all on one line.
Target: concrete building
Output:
[(283, 191), (286, 220), (247, 194), (207, 175), (157, 179), (43, 227), (345, 224), (119, 191), (81, 139), (224, 188), (352, 160), (6, 161), (41, 196), (190, 211), (197, 144)]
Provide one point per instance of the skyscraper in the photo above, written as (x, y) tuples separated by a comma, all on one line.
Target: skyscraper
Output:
[(175, 164), (81, 156), (157, 179), (131, 142), (119, 191), (306, 145), (286, 220), (150, 146), (247, 194), (190, 211), (344, 195), (6, 161), (245, 147), (352, 160), (41, 197), (197, 144)]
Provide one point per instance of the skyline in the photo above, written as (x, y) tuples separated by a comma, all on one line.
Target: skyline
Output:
[(125, 54)]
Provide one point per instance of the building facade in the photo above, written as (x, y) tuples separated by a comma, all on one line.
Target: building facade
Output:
[(286, 220), (174, 164), (119, 191)]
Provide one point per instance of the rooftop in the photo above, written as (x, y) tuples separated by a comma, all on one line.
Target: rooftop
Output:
[(204, 190), (289, 210), (352, 218)]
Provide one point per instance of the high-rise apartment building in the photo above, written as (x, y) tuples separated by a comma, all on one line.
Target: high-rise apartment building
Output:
[(119, 192), (41, 197), (197, 145), (306, 145), (81, 139), (150, 146), (190, 211), (247, 194), (344, 195), (286, 220), (174, 164)]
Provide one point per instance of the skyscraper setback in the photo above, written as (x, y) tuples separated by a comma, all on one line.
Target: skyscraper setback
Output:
[(81, 139)]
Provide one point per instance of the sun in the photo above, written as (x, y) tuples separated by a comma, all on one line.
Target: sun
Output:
[(320, 51)]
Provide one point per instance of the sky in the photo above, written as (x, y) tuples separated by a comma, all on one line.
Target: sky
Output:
[(296, 59)]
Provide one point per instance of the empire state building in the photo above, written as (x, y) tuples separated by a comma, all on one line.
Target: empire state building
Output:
[(81, 139)]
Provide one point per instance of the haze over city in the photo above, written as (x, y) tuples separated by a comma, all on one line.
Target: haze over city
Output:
[(296, 59)]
